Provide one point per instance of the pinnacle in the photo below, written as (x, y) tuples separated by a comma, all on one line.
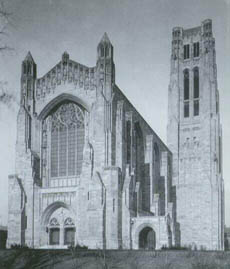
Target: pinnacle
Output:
[(105, 39), (29, 57)]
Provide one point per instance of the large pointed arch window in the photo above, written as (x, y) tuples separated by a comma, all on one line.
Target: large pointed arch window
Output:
[(186, 93), (196, 91), (63, 141)]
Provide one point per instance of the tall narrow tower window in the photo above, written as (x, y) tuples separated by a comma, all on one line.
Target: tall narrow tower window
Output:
[(128, 141), (186, 93), (196, 49), (102, 51), (220, 154), (217, 106), (29, 69), (196, 107), (186, 109), (186, 84), (186, 51), (106, 51), (156, 154), (24, 68), (196, 92)]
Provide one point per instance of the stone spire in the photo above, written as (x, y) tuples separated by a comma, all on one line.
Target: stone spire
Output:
[(29, 57)]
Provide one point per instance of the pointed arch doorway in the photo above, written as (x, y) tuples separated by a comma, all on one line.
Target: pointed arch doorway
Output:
[(59, 226), (147, 238)]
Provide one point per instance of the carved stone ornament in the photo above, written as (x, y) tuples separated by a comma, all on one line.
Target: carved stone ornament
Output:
[(54, 222), (68, 114), (69, 222)]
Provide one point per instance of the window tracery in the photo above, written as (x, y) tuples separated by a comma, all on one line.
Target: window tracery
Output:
[(68, 222), (54, 222), (64, 129)]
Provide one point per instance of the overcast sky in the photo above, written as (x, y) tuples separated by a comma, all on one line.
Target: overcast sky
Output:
[(140, 31)]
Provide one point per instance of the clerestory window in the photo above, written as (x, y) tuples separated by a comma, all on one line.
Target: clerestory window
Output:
[(196, 49), (186, 51)]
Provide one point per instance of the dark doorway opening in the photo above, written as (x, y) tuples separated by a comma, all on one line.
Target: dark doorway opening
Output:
[(54, 236), (147, 238), (69, 236)]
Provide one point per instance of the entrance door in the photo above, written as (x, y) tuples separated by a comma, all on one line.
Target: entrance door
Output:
[(54, 236), (69, 236), (147, 238)]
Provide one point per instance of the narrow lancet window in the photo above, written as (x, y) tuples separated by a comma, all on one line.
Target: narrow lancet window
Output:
[(186, 93), (196, 92), (196, 49), (186, 51), (128, 141), (186, 84), (102, 51), (196, 83)]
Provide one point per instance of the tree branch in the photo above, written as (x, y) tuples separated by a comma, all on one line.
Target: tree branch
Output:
[(4, 22)]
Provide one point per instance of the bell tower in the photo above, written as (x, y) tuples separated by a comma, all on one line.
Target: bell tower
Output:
[(194, 136)]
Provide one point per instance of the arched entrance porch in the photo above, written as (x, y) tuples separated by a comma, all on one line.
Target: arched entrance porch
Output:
[(147, 238), (59, 224)]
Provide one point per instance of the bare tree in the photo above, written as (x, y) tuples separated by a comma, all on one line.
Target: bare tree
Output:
[(6, 95), (4, 23)]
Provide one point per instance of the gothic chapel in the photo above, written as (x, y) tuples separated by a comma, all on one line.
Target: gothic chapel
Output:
[(91, 171)]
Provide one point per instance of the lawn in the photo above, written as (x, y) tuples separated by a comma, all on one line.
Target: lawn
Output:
[(126, 259)]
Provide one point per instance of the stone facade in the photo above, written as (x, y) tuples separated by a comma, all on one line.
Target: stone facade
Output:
[(89, 169), (195, 138)]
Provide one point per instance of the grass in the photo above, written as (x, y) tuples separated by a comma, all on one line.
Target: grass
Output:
[(111, 259)]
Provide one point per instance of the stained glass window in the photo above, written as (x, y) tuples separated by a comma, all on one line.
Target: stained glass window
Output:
[(71, 150), (62, 149), (80, 145), (54, 153), (67, 140)]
